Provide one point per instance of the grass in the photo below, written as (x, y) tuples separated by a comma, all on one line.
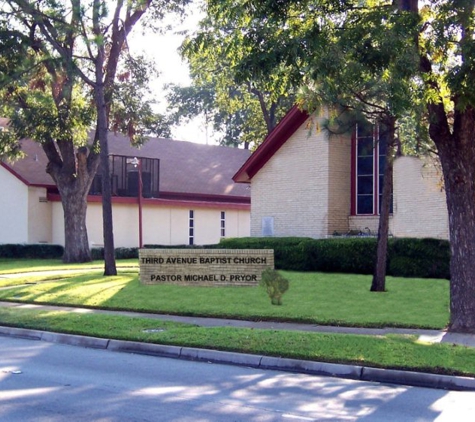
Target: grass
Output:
[(12, 266), (392, 351), (339, 299), (329, 299)]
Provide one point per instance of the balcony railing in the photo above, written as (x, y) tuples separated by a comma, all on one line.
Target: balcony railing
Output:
[(125, 177)]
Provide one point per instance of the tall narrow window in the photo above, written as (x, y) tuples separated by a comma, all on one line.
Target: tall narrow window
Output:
[(191, 228), (369, 155), (223, 223), (364, 170)]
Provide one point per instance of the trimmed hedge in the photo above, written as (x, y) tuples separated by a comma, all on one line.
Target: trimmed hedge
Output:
[(120, 253), (407, 257), (289, 253), (31, 251), (426, 258)]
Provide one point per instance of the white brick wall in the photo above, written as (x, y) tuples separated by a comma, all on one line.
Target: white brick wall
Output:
[(420, 208), (339, 184), (293, 187), (305, 188)]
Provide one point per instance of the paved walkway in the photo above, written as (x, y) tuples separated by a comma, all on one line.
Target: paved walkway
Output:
[(430, 336)]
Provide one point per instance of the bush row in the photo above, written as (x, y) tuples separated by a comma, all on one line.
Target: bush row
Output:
[(40, 250), (407, 257), (120, 253)]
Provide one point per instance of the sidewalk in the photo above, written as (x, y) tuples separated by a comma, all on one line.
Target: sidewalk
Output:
[(262, 362), (428, 336)]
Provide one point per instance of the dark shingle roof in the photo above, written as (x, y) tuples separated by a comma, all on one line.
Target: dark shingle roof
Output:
[(185, 167)]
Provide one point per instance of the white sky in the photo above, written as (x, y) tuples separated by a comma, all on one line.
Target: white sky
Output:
[(163, 50)]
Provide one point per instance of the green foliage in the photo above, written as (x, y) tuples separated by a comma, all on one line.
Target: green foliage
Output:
[(132, 109), (427, 258), (351, 255), (120, 253), (246, 104), (288, 251), (407, 257), (275, 284), (31, 251)]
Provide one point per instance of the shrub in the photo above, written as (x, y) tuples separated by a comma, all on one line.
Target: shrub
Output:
[(407, 257), (31, 251), (288, 251), (350, 255), (426, 258), (97, 254), (126, 253), (275, 285)]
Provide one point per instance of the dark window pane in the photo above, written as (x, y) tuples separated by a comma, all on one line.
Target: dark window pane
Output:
[(365, 185), (365, 130), (364, 204), (191, 232), (382, 146), (365, 166), (191, 213), (365, 147)]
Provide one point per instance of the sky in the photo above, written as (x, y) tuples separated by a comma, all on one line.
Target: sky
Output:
[(163, 50)]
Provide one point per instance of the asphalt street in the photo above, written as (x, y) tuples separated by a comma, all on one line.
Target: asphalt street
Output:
[(42, 381)]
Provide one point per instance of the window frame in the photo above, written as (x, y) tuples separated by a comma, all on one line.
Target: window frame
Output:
[(191, 227), (376, 174), (223, 224)]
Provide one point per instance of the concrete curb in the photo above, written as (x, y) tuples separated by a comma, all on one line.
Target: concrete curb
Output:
[(361, 373)]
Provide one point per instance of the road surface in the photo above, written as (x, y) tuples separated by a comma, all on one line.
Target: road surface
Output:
[(48, 382)]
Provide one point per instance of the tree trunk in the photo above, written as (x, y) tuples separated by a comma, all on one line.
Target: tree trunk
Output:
[(73, 175), (107, 224), (457, 156), (76, 243), (379, 275), (101, 134)]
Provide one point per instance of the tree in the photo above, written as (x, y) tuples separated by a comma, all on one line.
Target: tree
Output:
[(43, 100), (355, 59), (79, 44), (442, 36), (242, 105), (446, 47)]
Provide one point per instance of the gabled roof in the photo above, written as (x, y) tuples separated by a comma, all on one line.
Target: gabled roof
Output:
[(278, 136), (185, 167)]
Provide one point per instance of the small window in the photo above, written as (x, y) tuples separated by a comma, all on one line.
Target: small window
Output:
[(191, 228), (223, 223)]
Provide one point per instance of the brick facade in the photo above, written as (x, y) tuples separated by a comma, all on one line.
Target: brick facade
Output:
[(304, 189), (420, 208), (304, 186)]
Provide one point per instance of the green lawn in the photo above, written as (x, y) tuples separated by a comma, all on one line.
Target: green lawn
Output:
[(339, 299), (12, 266), (336, 299), (392, 351)]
